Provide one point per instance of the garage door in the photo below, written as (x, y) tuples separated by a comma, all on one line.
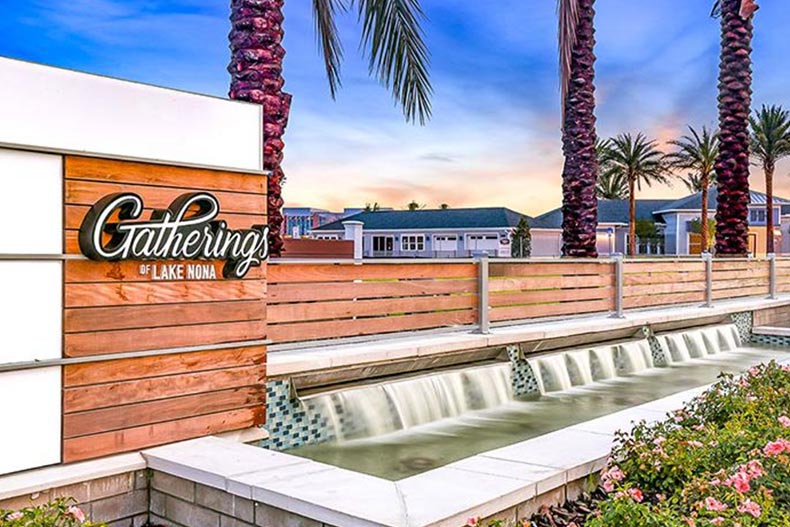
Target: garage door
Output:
[(445, 243), (488, 243)]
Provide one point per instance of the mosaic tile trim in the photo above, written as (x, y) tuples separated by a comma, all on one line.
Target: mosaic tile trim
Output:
[(290, 423), (524, 381), (744, 322), (658, 352), (772, 340)]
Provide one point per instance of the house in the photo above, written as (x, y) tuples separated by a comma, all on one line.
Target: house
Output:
[(679, 218), (298, 221), (676, 222), (613, 222), (444, 233)]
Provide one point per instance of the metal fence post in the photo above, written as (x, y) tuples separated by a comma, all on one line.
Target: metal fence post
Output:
[(708, 259), (772, 276), (483, 320), (618, 286)]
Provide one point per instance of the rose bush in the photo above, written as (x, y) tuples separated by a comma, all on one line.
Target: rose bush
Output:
[(59, 513), (722, 461)]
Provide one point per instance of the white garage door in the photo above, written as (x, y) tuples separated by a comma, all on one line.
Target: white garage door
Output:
[(488, 243), (448, 243)]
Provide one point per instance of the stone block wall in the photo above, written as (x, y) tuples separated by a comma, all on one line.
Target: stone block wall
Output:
[(177, 502), (120, 500)]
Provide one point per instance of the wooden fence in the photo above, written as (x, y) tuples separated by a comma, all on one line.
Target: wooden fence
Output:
[(322, 300)]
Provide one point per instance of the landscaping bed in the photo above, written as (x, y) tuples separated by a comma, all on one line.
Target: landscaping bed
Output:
[(722, 461)]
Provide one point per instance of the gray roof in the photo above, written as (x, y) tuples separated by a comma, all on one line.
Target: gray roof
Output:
[(693, 202), (609, 211), (477, 218)]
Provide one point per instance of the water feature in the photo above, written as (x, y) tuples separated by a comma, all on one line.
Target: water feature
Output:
[(400, 428)]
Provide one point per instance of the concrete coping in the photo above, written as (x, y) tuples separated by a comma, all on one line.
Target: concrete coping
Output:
[(481, 485), (773, 331), (312, 357)]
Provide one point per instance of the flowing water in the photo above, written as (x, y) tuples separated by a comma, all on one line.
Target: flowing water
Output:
[(400, 428)]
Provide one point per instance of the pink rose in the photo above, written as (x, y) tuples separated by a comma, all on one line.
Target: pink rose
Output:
[(784, 421), (717, 521), (608, 486), (750, 507), (712, 504), (774, 448), (636, 495), (76, 513), (755, 469), (739, 481)]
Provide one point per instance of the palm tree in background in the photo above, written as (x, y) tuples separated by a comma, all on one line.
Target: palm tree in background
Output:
[(697, 152), (770, 143), (580, 172), (609, 186), (639, 161), (735, 97), (392, 39)]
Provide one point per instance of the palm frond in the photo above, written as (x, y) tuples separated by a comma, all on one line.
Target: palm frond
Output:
[(770, 140), (392, 36), (324, 12), (636, 158), (696, 152), (568, 14), (716, 12)]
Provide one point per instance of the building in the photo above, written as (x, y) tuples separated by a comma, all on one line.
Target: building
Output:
[(613, 226), (443, 233), (298, 221), (676, 223)]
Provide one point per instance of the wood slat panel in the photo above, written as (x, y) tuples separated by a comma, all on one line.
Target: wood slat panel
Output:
[(664, 266), (118, 294), (280, 293), (92, 397), (99, 343), (368, 326), (90, 168), (548, 269), (663, 278), (302, 273), (347, 309), (738, 293), (172, 409), (542, 297), (80, 192), (550, 282), (76, 213), (89, 447), (91, 319), (546, 310), (659, 289), (149, 367), (663, 300), (88, 271)]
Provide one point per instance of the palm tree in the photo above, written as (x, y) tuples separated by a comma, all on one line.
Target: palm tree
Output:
[(735, 98), (580, 172), (611, 186), (770, 143), (697, 152), (391, 37), (639, 161)]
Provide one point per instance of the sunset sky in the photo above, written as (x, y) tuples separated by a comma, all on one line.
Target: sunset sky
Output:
[(494, 139)]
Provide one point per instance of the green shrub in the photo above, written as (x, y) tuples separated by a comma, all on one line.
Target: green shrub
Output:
[(59, 513), (723, 461)]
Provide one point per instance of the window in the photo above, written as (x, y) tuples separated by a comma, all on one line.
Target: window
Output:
[(383, 244), (412, 243), (757, 217)]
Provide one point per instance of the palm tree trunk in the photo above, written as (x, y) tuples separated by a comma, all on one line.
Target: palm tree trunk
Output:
[(580, 173), (256, 75), (705, 242), (769, 211), (732, 165), (631, 216)]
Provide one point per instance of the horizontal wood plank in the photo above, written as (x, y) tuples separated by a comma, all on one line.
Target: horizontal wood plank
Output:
[(104, 342), (551, 296), (91, 319), (302, 273), (93, 446), (119, 294), (498, 270), (548, 310), (89, 271), (364, 308), (149, 367), (79, 192), (368, 326), (550, 282), (95, 169), (171, 409), (95, 396), (282, 293)]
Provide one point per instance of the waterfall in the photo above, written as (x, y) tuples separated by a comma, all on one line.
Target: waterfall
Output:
[(699, 343), (390, 406)]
